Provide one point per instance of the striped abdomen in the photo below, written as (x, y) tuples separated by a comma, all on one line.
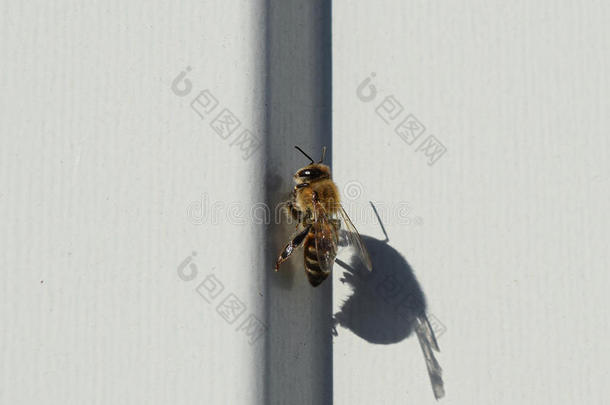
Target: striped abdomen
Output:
[(315, 274)]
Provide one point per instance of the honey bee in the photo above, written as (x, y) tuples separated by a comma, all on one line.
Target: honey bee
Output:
[(316, 207)]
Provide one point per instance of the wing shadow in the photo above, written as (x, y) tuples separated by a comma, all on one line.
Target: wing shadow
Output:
[(387, 305)]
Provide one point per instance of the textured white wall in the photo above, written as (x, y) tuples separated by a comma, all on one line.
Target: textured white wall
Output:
[(100, 162), (512, 252), (107, 172)]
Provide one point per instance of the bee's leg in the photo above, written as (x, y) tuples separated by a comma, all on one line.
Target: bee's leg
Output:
[(296, 214), (292, 212), (290, 247)]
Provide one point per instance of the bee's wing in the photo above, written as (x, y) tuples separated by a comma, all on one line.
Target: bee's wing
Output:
[(354, 240), (325, 238)]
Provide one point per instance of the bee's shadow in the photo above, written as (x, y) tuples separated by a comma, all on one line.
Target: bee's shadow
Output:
[(386, 303)]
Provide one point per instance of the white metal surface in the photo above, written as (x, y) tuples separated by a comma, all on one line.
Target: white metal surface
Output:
[(511, 251), (111, 179)]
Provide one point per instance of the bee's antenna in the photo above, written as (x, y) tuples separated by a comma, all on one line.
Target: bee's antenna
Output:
[(380, 223), (306, 155), (323, 154)]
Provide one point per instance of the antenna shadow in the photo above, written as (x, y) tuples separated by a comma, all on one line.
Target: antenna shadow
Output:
[(387, 305)]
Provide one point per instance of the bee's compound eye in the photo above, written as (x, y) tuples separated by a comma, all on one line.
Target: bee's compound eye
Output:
[(305, 173)]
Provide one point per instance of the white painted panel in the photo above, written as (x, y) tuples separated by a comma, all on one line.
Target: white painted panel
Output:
[(510, 228), (101, 162), (111, 180)]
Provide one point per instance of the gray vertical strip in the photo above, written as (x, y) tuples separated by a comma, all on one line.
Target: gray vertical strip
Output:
[(298, 347)]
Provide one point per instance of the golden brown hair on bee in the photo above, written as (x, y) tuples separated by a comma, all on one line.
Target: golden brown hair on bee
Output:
[(325, 192), (315, 204), (315, 180)]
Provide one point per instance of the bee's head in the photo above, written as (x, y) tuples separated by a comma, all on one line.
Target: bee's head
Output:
[(313, 171)]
